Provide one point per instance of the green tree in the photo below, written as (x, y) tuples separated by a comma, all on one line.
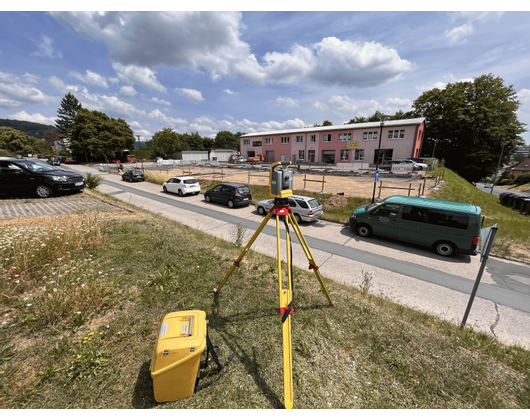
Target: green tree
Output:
[(518, 157), (50, 137), (226, 140), (14, 140), (102, 136), (69, 109), (166, 141), (468, 122)]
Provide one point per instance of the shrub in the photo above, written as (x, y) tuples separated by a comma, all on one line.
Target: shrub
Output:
[(92, 181), (522, 179)]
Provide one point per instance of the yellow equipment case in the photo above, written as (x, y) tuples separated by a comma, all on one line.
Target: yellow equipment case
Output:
[(177, 358)]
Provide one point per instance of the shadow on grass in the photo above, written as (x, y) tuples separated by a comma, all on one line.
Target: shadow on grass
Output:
[(143, 394)]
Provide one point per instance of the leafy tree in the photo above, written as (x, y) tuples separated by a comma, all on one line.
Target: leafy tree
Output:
[(399, 115), (226, 140), (196, 142), (50, 137), (69, 109), (522, 179), (101, 135), (166, 141), (468, 122), (14, 140), (518, 157)]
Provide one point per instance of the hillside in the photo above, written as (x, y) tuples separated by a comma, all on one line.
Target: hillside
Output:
[(30, 128)]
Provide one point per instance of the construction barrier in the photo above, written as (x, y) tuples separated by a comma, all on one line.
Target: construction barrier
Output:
[(315, 180), (421, 188)]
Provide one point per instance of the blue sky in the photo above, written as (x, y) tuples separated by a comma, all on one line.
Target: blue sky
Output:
[(250, 71)]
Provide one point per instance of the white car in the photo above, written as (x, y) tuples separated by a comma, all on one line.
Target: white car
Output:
[(304, 208), (182, 185), (417, 166)]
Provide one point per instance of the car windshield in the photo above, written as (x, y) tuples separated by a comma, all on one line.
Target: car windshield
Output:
[(373, 205), (314, 203), (34, 166), (190, 181)]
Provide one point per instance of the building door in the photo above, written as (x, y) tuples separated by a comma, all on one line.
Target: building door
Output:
[(294, 158), (328, 156), (270, 155), (311, 156), (384, 155)]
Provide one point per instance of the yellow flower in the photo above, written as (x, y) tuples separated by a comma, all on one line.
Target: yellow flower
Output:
[(79, 356), (86, 338), (100, 333), (90, 334), (84, 342)]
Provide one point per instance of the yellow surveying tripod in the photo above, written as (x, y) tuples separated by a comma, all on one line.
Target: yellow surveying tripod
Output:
[(281, 189)]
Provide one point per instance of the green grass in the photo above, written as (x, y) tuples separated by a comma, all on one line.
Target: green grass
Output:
[(92, 347)]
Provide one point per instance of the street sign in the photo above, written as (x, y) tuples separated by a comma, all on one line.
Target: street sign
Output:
[(376, 175)]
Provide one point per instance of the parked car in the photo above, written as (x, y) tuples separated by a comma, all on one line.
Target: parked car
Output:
[(36, 177), (115, 160), (41, 157), (388, 164), (307, 209), (231, 193), (447, 227), (133, 175), (182, 185), (417, 166), (54, 161), (69, 160), (418, 160)]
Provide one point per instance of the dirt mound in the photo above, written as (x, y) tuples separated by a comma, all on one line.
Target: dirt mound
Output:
[(337, 201)]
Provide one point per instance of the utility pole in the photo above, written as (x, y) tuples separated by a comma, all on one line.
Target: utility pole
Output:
[(141, 158)]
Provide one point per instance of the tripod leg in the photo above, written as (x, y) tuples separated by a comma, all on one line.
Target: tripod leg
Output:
[(285, 299), (242, 255), (312, 263)]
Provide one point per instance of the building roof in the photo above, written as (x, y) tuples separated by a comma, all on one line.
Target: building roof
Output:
[(376, 124), (523, 165)]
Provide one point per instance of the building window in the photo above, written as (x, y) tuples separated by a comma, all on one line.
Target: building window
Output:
[(246, 142), (359, 154), (299, 139), (256, 143), (344, 154), (396, 134), (327, 137), (313, 138), (301, 154), (268, 141), (345, 137), (370, 135), (285, 140)]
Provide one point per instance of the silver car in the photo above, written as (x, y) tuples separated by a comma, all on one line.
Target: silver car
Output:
[(182, 185), (304, 208)]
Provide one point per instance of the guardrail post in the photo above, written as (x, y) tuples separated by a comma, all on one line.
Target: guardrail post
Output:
[(380, 186), (410, 187), (423, 190)]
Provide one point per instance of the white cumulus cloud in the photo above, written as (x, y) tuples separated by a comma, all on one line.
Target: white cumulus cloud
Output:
[(36, 118), (128, 91), (45, 48), (192, 95), (459, 34), (289, 102), (135, 75), (91, 78), (16, 90)]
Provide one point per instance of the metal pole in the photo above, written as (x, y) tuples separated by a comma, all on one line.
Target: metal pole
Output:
[(383, 118), (498, 164), (486, 253)]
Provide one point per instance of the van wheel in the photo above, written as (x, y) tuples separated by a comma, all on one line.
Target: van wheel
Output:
[(445, 249), (43, 191), (230, 204), (364, 230), (261, 211)]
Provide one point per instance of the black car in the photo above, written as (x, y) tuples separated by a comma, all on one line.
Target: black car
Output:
[(28, 176), (41, 157), (231, 193), (133, 175), (54, 161)]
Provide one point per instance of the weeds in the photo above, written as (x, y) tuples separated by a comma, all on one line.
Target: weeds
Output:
[(92, 181), (366, 282), (238, 233)]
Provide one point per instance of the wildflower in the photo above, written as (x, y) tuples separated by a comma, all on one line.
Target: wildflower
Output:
[(79, 356), (59, 259), (100, 333), (78, 312), (100, 272), (83, 285), (29, 304), (90, 334), (54, 289)]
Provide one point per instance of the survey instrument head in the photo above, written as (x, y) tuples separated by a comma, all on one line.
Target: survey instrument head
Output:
[(281, 180)]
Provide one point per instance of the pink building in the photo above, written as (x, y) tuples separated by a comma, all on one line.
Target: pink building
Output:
[(346, 143)]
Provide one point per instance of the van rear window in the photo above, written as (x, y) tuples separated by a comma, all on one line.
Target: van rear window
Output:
[(243, 190), (435, 217)]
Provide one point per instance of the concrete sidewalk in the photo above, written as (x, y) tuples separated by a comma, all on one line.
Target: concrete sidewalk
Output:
[(417, 291)]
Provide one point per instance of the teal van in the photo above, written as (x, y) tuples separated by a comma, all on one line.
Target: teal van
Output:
[(447, 227)]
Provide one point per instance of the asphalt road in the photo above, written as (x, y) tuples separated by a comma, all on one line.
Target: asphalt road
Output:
[(409, 275)]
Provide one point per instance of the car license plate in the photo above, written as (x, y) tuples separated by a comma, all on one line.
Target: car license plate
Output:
[(245, 199), (78, 184)]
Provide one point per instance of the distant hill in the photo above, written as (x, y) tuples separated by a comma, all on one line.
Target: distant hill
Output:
[(30, 128)]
